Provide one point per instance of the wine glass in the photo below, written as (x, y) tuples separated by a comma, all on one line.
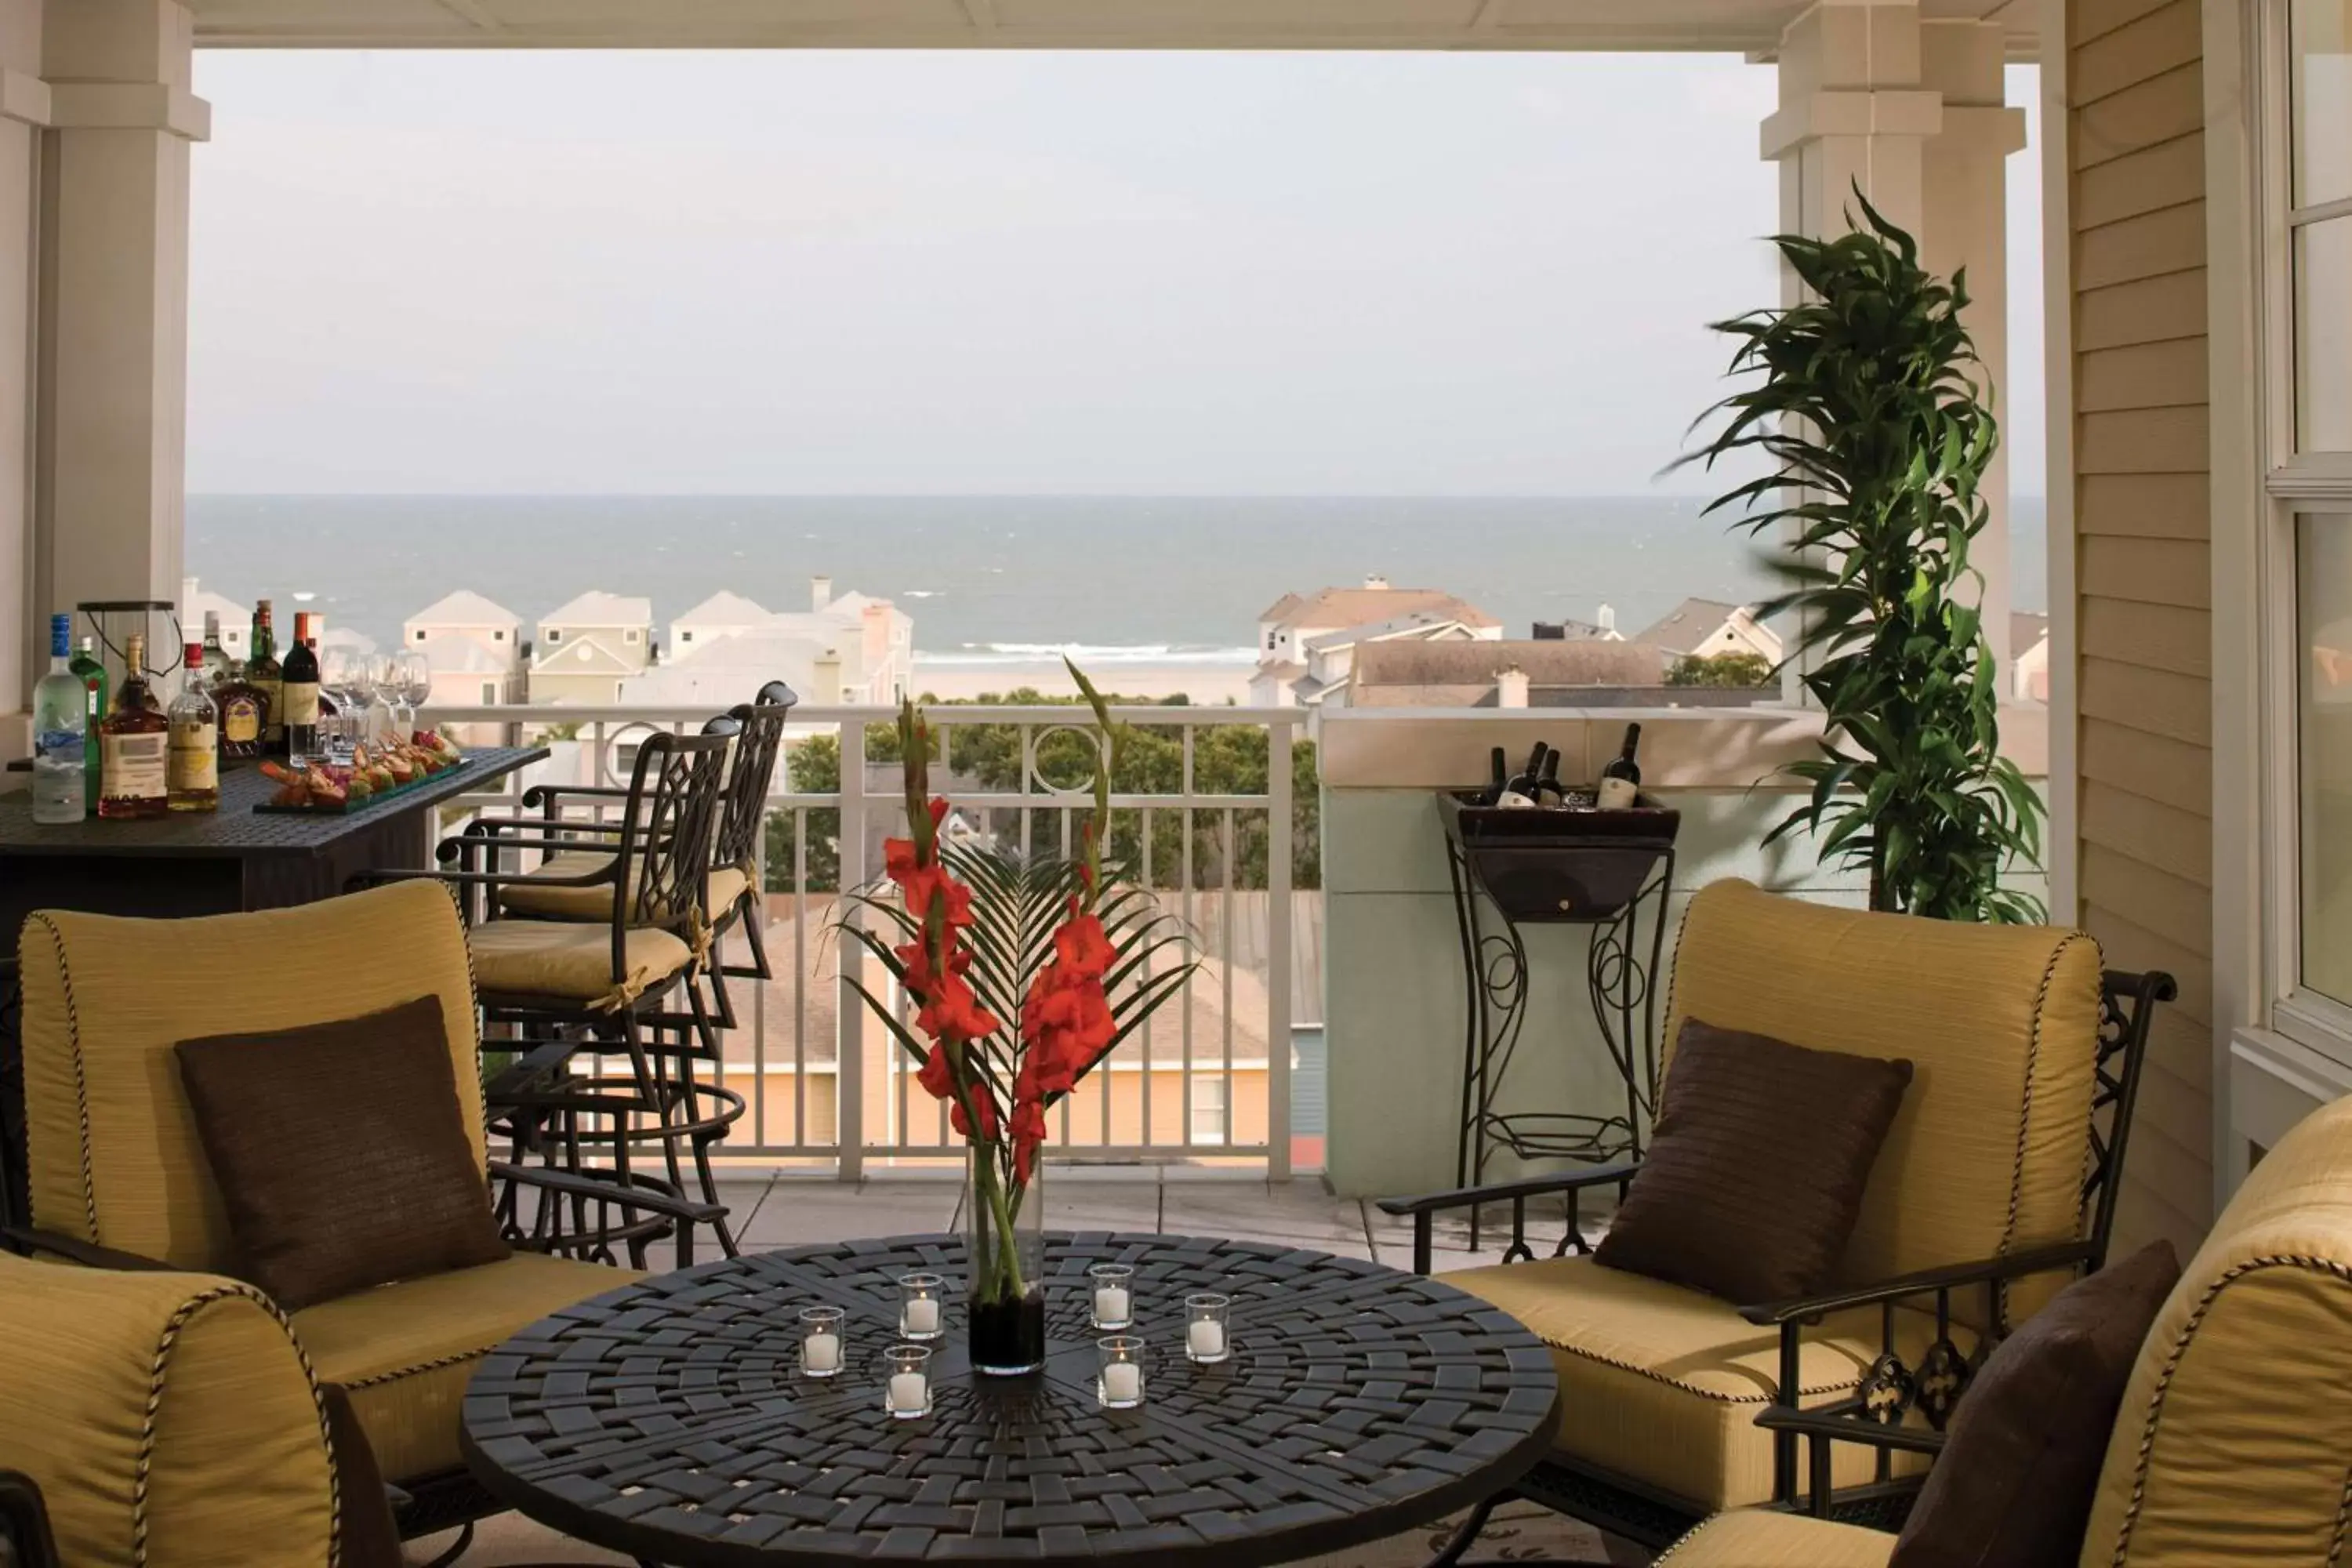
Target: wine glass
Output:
[(413, 675), (376, 720), (343, 676)]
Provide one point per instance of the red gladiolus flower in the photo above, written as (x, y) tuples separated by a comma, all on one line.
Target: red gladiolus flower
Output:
[(953, 1011), (1028, 1132), (937, 1075), (985, 1104), (1081, 946)]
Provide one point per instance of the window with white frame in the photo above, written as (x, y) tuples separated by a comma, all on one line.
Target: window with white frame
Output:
[(1208, 1108), (2307, 432)]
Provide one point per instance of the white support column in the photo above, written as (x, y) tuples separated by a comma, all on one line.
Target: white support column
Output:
[(1911, 113), (112, 372), (24, 108)]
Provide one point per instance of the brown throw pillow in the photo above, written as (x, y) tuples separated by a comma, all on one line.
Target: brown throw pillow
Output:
[(340, 1154), (1755, 1172), (2012, 1488), (371, 1536)]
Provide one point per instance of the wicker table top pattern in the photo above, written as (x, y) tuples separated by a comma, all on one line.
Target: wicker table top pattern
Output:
[(666, 1419)]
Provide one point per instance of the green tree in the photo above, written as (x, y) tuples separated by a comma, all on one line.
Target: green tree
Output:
[(1228, 758), (1720, 670)]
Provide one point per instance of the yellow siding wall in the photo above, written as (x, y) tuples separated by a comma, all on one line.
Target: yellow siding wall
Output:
[(2137, 210)]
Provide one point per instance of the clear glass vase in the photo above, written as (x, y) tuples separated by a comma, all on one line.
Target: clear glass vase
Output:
[(1004, 1241)]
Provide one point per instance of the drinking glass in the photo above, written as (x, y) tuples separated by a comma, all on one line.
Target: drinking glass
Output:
[(376, 721), (1207, 1333), (908, 1393), (821, 1341), (1114, 1295), (923, 1307), (1119, 1377), (341, 672), (413, 685)]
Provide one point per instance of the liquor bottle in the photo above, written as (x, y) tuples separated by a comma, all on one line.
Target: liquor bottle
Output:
[(60, 734), (1547, 786), (133, 744), (95, 691), (263, 673), (1621, 781), (244, 716), (192, 776), (1522, 789), (217, 664), (299, 682)]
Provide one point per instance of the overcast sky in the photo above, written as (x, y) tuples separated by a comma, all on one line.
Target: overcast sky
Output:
[(953, 273)]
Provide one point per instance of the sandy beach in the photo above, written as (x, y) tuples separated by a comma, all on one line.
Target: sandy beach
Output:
[(1208, 684)]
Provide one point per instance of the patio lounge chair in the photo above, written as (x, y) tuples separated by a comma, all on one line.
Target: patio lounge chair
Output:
[(1994, 1185), (2230, 1445)]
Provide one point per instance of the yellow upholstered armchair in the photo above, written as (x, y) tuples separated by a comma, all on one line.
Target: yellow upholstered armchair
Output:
[(167, 1418), (2230, 1446), (1976, 1211), (119, 1177)]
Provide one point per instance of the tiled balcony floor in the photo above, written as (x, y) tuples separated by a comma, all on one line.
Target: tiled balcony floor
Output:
[(789, 1210)]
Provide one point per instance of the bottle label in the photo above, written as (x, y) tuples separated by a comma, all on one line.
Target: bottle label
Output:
[(273, 704), (60, 746), (196, 759), (240, 721), (134, 767), (1618, 795), (302, 703)]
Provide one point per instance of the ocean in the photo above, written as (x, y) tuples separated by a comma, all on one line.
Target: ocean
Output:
[(1007, 580)]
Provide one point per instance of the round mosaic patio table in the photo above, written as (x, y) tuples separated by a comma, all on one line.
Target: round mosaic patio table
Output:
[(666, 1419)]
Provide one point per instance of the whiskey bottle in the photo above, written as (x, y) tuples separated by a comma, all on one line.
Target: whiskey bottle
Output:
[(133, 746), (96, 690), (243, 712), (218, 665), (263, 674), (300, 684), (192, 774)]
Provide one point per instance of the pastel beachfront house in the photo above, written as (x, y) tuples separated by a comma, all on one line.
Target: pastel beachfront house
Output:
[(588, 645)]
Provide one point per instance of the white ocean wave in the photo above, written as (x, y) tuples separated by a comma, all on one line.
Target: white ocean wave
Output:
[(1010, 653)]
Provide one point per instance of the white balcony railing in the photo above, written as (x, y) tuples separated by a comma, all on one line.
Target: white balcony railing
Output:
[(1207, 1079)]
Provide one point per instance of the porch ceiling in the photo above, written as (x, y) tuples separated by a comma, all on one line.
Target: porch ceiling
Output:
[(1744, 25)]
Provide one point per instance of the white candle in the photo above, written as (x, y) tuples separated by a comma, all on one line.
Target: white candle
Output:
[(1122, 1383), (922, 1315), (821, 1353), (907, 1393), (1205, 1340), (1111, 1306)]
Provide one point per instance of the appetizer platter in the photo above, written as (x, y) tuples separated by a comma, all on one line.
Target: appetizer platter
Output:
[(375, 774)]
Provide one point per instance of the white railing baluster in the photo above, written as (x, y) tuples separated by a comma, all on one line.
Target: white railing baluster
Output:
[(1279, 809), (849, 1069)]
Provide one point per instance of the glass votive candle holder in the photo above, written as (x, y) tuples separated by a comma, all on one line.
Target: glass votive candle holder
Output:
[(1114, 1295), (821, 1346), (1118, 1380), (1207, 1333), (921, 1307), (906, 1390)]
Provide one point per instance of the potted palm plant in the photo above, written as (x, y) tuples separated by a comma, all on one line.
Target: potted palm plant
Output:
[(1023, 972), (1866, 406)]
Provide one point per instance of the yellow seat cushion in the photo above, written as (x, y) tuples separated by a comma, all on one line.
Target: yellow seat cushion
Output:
[(1662, 1384), (166, 1417), (406, 1351), (1755, 1539), (2000, 1023), (2229, 1450), (570, 961), (115, 1158), (531, 896)]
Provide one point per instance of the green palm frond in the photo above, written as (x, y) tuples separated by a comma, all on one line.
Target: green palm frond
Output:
[(1865, 402)]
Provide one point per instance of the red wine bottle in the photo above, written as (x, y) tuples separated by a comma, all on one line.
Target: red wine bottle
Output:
[(1621, 781)]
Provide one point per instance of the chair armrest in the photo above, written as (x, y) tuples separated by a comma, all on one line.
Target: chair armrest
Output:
[(1986, 1271), (546, 795), (89, 1254), (545, 826), (1501, 1192), (1844, 1423), (597, 1189), (1567, 1184)]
